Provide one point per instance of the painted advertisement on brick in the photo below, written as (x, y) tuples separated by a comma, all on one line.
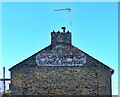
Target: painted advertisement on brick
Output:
[(58, 57)]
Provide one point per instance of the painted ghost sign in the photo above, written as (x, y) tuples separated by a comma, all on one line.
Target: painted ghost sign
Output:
[(58, 57)]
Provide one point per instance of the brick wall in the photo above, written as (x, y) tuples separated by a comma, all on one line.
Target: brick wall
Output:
[(60, 37), (31, 78)]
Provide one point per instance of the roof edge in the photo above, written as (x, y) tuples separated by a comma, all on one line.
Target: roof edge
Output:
[(28, 58), (111, 70)]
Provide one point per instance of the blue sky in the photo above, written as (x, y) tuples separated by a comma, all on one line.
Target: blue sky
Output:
[(26, 29)]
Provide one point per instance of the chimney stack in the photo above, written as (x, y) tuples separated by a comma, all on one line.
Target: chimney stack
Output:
[(61, 37), (63, 29)]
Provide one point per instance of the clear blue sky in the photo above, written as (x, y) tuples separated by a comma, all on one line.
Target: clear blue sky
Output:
[(26, 29)]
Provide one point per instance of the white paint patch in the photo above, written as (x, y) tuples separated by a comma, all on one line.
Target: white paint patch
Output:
[(42, 59), (59, 46), (69, 59), (52, 59)]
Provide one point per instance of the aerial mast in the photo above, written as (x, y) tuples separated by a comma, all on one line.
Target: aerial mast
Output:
[(69, 10)]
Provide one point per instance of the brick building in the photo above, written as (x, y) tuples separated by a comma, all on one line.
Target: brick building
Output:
[(61, 69)]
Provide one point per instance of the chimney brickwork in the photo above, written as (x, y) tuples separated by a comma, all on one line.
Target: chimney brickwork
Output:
[(61, 37)]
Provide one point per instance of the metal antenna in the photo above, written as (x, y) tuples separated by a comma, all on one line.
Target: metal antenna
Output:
[(4, 78), (69, 10)]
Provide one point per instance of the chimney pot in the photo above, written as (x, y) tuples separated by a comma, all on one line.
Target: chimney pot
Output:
[(63, 29)]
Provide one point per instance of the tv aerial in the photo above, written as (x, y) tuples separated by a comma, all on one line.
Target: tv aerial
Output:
[(69, 10)]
